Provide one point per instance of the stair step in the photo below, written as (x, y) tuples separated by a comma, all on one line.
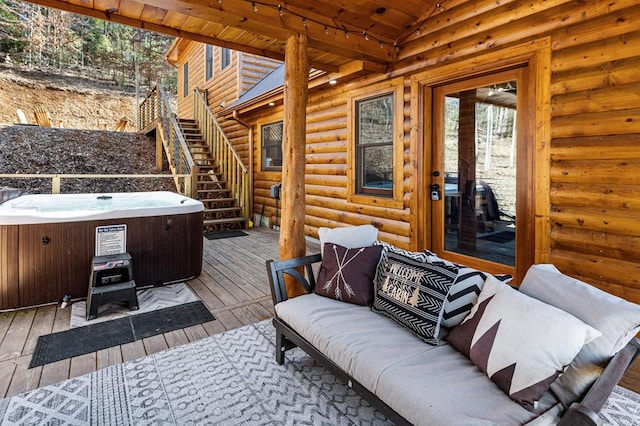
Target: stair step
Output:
[(217, 200), (225, 220), (220, 191), (222, 210), (204, 183)]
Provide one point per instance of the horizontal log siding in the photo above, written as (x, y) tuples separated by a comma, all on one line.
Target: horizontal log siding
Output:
[(594, 163), (255, 68), (194, 56), (595, 152), (244, 71), (326, 171), (595, 105)]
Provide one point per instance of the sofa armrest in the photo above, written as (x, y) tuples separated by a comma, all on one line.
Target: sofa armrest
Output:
[(585, 412), (301, 269)]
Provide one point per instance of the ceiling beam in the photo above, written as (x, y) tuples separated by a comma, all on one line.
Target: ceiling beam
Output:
[(267, 22)]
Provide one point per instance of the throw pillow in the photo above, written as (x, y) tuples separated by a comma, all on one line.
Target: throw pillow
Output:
[(347, 274), (464, 294), (521, 343), (420, 256), (617, 320), (349, 236), (412, 292)]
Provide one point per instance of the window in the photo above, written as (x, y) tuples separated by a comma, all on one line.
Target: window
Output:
[(374, 145), (209, 61), (225, 58), (375, 151), (271, 135), (185, 80)]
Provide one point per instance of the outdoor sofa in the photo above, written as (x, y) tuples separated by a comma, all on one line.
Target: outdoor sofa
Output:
[(490, 354)]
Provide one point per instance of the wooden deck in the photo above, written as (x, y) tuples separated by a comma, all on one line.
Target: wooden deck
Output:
[(233, 284)]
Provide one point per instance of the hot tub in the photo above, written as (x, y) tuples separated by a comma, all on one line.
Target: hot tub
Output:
[(47, 241)]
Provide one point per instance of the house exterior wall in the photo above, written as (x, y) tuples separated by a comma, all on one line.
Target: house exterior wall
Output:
[(590, 155), (224, 87)]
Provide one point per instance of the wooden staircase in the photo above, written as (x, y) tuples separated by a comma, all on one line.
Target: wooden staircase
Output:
[(221, 212)]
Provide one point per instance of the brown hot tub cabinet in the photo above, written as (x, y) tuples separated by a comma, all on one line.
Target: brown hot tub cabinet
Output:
[(41, 262)]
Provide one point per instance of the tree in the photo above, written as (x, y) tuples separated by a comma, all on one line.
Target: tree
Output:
[(50, 39)]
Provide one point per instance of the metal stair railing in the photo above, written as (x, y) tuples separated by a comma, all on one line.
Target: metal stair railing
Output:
[(226, 158), (156, 108)]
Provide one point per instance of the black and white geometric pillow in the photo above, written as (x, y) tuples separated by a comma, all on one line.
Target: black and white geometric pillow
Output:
[(413, 292), (388, 248), (464, 294)]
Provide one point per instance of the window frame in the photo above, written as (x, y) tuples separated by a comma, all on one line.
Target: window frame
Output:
[(225, 57), (261, 127), (392, 198), (185, 80), (208, 61)]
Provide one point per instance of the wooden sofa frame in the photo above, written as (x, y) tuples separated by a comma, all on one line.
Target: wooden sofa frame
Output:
[(583, 412)]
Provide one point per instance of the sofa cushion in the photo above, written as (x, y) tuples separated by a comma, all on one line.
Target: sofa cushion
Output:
[(349, 236), (347, 274), (423, 383), (617, 320), (521, 343), (464, 294), (412, 293)]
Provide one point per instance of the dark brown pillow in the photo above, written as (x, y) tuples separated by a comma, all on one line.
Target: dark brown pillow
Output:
[(347, 274)]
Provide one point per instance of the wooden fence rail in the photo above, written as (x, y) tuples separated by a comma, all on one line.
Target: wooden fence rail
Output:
[(184, 179)]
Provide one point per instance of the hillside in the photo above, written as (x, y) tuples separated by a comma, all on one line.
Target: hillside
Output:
[(84, 106), (73, 102)]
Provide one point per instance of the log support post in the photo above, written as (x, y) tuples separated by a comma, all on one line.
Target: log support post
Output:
[(296, 82)]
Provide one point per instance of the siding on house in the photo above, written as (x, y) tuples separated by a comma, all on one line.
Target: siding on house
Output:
[(593, 165), (225, 86), (591, 154)]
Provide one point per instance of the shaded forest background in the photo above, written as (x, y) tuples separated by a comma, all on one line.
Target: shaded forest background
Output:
[(36, 37)]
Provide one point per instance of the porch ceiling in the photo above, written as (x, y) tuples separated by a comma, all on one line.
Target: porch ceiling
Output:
[(339, 31)]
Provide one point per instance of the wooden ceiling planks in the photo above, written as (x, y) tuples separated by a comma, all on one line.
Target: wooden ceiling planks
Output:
[(130, 9), (106, 5), (178, 20), (235, 24)]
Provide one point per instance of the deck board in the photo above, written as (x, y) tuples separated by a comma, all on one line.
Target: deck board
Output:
[(233, 285)]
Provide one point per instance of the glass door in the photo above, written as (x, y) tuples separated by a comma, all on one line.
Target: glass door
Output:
[(478, 162)]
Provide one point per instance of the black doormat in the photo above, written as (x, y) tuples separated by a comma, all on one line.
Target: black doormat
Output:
[(91, 338), (500, 237), (226, 234)]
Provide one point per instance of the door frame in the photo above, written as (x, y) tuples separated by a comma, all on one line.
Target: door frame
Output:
[(535, 57)]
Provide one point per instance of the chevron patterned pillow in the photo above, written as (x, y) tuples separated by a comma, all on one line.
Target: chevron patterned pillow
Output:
[(412, 292), (522, 344), (464, 294)]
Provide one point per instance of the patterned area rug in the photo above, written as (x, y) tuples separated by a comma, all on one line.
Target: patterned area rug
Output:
[(149, 299), (228, 379)]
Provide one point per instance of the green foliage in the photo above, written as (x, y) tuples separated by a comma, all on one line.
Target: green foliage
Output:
[(50, 39)]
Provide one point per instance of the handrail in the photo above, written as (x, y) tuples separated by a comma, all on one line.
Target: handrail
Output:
[(156, 108), (227, 160), (56, 178)]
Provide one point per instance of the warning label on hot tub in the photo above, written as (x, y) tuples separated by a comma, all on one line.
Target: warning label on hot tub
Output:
[(111, 239)]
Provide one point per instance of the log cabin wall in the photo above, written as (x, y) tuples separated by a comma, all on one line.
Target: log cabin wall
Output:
[(594, 161), (224, 87)]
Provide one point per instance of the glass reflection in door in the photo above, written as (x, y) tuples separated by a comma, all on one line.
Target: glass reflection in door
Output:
[(480, 172)]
